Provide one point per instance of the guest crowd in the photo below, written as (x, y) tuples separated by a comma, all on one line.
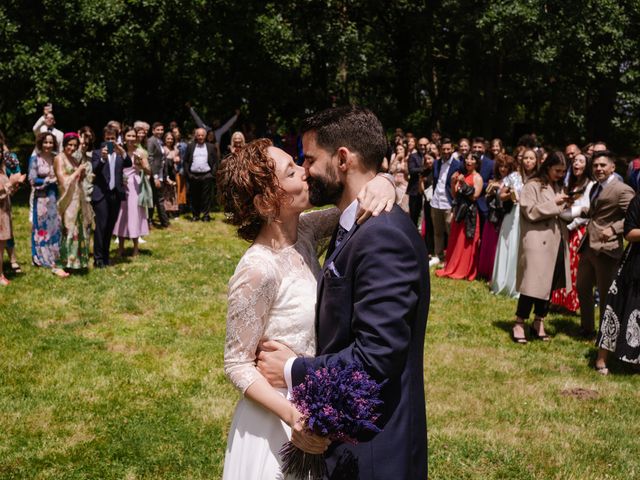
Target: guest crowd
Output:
[(546, 227)]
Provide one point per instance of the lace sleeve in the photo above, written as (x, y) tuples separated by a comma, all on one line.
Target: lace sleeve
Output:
[(252, 292), (317, 226)]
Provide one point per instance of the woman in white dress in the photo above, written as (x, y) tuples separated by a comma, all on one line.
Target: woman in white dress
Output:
[(503, 281), (272, 293)]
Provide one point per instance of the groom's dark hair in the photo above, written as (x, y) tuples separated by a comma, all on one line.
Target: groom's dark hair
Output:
[(353, 127)]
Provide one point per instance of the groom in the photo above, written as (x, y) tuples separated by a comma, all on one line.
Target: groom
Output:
[(373, 299)]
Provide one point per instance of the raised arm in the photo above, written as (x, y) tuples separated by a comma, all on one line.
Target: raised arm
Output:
[(198, 120), (224, 128)]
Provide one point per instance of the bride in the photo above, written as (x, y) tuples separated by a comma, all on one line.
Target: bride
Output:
[(272, 293)]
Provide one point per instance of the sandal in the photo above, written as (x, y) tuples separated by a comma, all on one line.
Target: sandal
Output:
[(519, 340), (3, 281), (15, 267), (59, 272), (534, 333)]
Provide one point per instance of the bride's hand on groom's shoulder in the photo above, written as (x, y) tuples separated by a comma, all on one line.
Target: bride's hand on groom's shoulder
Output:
[(377, 195), (271, 357)]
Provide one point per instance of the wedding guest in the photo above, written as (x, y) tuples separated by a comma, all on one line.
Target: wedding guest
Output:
[(200, 164), (9, 184), (45, 221), (462, 249), (464, 147), (486, 172), (181, 183), (491, 232), (172, 159), (503, 279), (603, 244), (75, 211), (141, 135), (46, 123), (426, 181), (543, 250), (217, 129), (619, 330), (84, 154), (132, 218), (579, 186), (108, 163), (496, 148), (237, 142), (399, 168), (157, 160), (443, 170), (11, 166), (415, 165)]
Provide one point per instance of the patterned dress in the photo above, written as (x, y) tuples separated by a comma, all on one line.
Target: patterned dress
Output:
[(45, 221), (272, 296), (620, 327), (76, 216)]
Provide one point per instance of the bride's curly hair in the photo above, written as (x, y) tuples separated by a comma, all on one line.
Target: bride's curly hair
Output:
[(248, 188)]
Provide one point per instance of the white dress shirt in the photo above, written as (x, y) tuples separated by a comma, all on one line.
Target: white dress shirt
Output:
[(440, 199), (200, 159)]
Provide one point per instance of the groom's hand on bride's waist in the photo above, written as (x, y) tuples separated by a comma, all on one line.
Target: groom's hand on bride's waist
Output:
[(271, 357)]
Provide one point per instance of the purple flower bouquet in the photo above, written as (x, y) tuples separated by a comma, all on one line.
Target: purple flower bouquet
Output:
[(340, 403)]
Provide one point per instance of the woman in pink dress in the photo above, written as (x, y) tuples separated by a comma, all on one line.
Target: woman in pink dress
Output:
[(132, 220), (464, 239)]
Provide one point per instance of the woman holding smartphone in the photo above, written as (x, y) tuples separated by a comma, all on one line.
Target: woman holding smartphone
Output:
[(579, 188), (132, 219)]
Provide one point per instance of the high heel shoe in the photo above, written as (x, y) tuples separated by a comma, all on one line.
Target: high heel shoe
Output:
[(520, 340), (534, 333)]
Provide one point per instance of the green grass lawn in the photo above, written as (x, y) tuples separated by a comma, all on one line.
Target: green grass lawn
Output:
[(117, 374)]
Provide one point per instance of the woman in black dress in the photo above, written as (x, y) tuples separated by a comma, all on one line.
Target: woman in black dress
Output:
[(620, 326)]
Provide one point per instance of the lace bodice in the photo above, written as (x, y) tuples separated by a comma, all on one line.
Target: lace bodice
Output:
[(272, 296)]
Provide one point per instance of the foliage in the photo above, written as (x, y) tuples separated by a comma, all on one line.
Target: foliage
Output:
[(565, 69)]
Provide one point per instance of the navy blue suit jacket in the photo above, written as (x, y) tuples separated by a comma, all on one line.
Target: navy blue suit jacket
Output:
[(486, 172), (372, 307), (455, 166), (416, 166), (103, 175)]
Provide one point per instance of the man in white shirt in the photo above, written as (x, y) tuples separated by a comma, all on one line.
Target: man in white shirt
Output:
[(442, 199), (46, 123), (200, 163)]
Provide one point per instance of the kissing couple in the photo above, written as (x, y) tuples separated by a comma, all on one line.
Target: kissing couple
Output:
[(286, 313)]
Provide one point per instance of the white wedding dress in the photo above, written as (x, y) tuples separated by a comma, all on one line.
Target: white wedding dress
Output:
[(272, 296)]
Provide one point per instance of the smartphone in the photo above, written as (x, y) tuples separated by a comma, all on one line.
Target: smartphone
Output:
[(573, 193), (109, 148)]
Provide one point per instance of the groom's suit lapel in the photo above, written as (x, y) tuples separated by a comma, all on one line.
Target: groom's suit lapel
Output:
[(325, 270)]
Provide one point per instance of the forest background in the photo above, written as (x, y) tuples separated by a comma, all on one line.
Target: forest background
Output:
[(567, 70)]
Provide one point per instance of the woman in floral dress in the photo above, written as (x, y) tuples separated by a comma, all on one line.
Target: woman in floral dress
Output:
[(75, 211), (45, 221)]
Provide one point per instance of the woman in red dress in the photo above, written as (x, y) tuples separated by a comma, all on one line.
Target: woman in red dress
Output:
[(464, 239)]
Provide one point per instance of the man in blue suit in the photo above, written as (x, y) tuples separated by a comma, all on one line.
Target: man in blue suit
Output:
[(108, 192), (486, 172), (372, 305)]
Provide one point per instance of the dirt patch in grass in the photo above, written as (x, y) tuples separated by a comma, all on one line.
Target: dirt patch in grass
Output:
[(580, 393)]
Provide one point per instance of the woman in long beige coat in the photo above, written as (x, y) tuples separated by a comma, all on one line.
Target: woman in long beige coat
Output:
[(543, 264)]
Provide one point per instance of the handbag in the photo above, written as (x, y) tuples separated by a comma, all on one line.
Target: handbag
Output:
[(145, 198)]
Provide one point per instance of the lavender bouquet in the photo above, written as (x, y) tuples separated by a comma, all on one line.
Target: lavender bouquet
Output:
[(340, 403)]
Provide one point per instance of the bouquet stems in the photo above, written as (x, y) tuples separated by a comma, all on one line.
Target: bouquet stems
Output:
[(302, 465)]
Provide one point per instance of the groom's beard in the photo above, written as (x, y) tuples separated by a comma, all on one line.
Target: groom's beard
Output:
[(324, 191)]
